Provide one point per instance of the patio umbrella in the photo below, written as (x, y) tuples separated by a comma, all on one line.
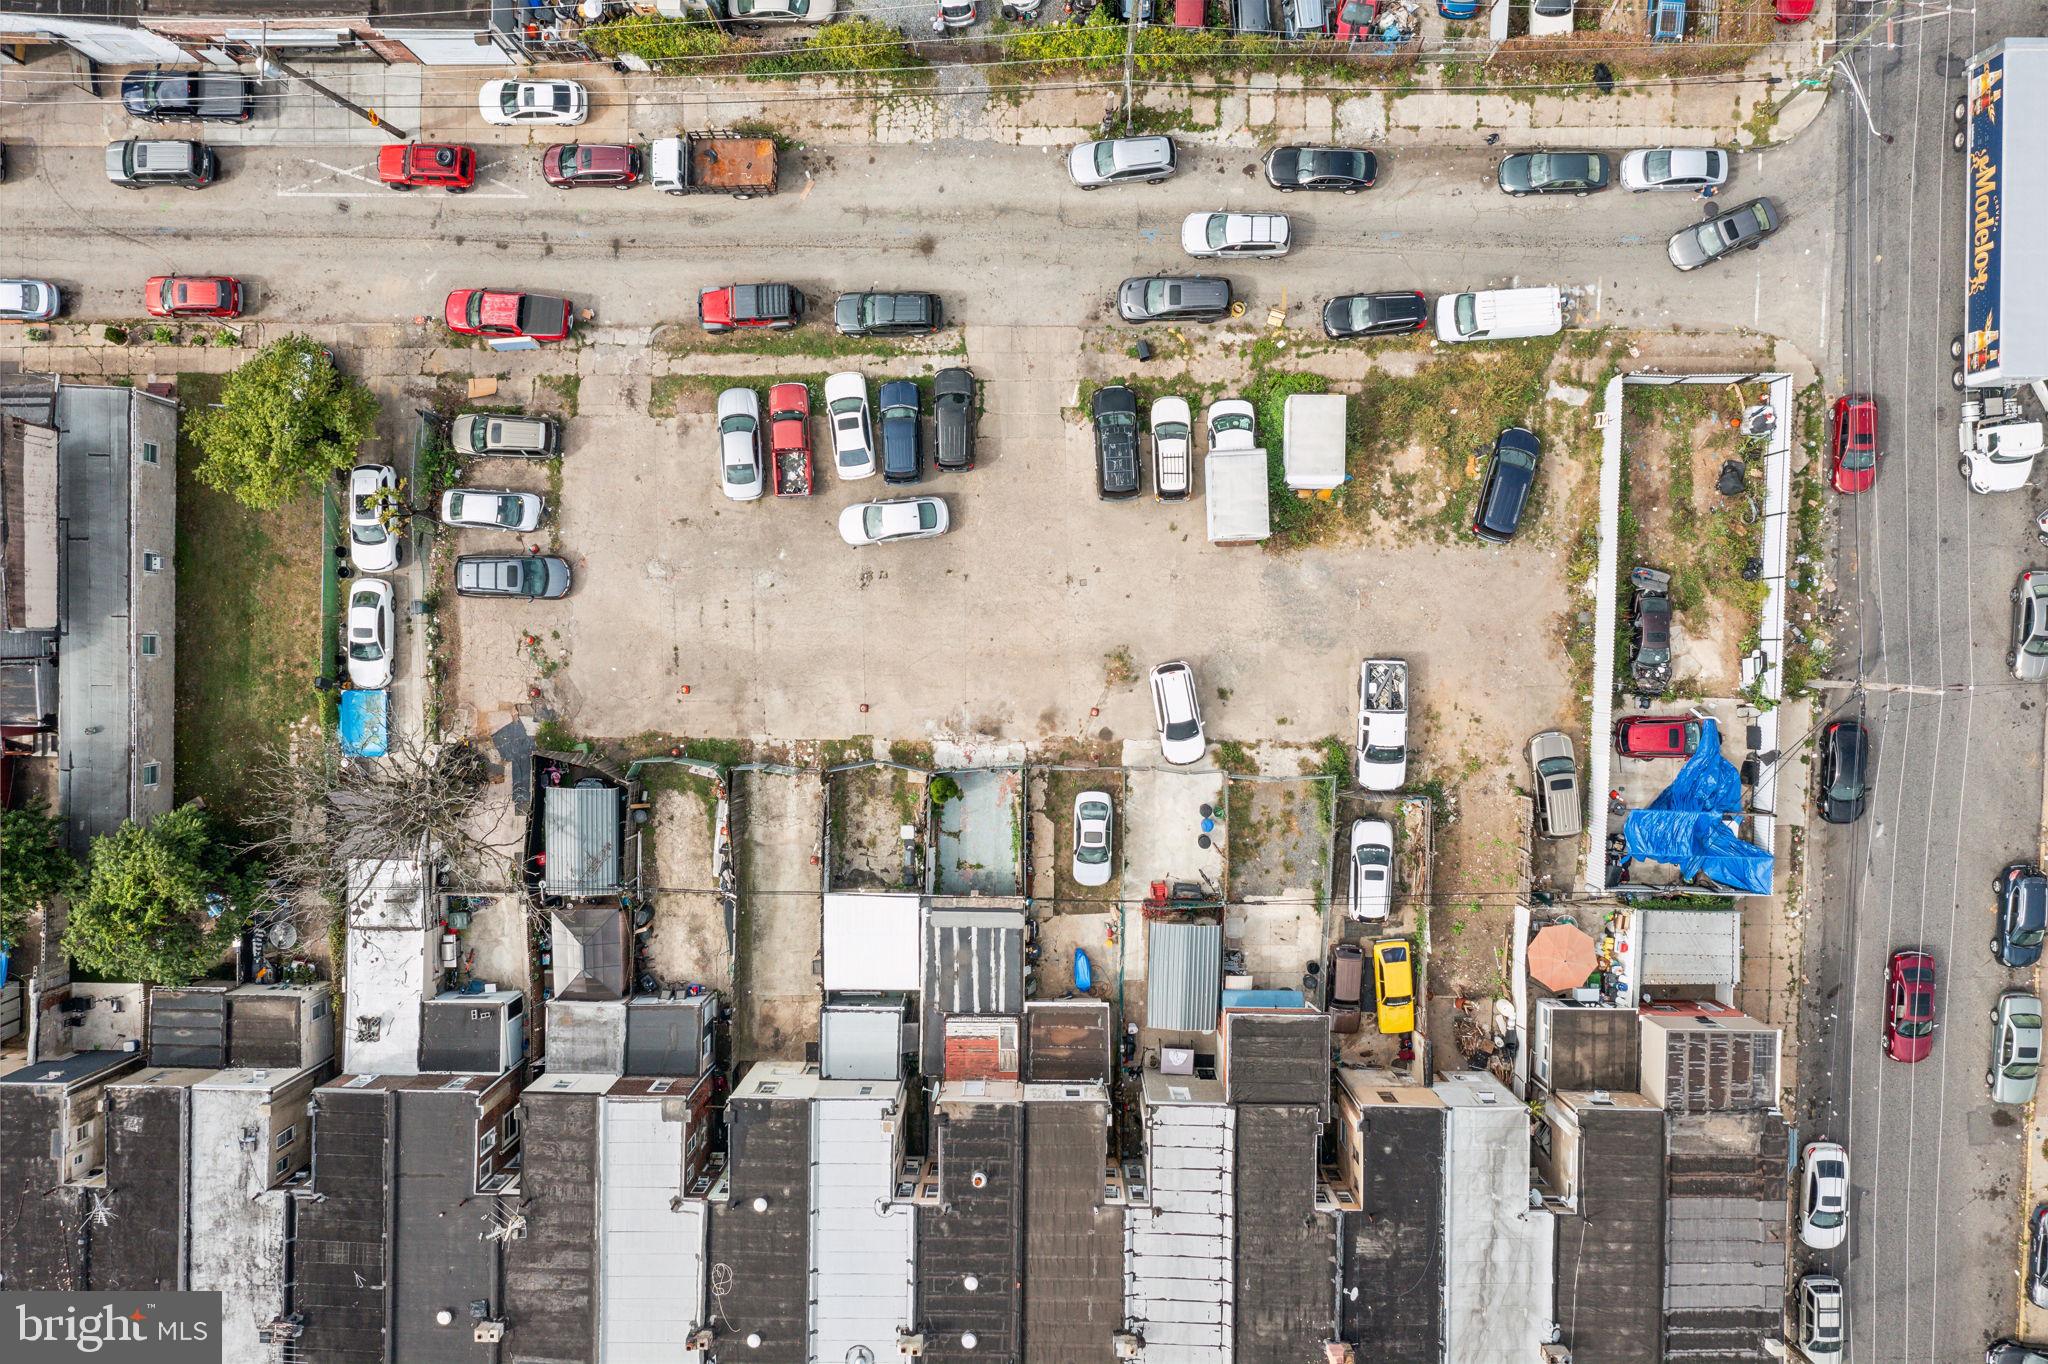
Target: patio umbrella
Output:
[(1561, 957)]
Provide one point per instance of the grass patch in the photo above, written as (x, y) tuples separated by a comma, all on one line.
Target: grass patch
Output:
[(668, 391), (911, 753), (1118, 669), (555, 737), (840, 752), (249, 635), (1234, 758), (812, 342), (567, 388)]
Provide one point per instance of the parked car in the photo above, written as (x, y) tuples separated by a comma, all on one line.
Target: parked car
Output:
[(777, 307), (2011, 1351), (1823, 1195), (1372, 869), (1649, 620), (1657, 736), (492, 509), (1339, 170), (427, 165), (1574, 173), (958, 13), (531, 576), (29, 300), (2015, 1048), (576, 165), (140, 162), (193, 296), (372, 548), (507, 313), (507, 103), (902, 518), (783, 11), (2028, 656), (1094, 838), (369, 634), (2037, 1256), (1852, 443), (1674, 168), (1510, 474), (1123, 161), (1794, 11), (1820, 1318), (953, 419), (739, 444), (1117, 475), (1554, 769), (1909, 1006), (1231, 425), (160, 96), (1173, 448), (1251, 18), (2022, 906), (888, 314), (1844, 783), (1742, 228), (1177, 711), (902, 446), (853, 429), (1233, 235), (1349, 316), (1173, 298), (505, 433), (790, 464), (1347, 986), (1393, 985)]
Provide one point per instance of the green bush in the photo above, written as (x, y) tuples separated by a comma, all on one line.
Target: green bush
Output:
[(845, 47), (287, 418), (163, 902), (657, 38), (942, 789)]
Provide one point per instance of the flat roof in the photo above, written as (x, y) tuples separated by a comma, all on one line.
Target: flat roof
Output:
[(653, 1238), (342, 1263), (138, 1251), (551, 1272), (1688, 947), (68, 1072), (390, 951), (1589, 1046), (766, 1286), (1610, 1253), (1284, 1246), (871, 941), (1179, 1273), (442, 1253), (863, 1264), (1393, 1250), (1073, 1242), (975, 1233), (1498, 1285)]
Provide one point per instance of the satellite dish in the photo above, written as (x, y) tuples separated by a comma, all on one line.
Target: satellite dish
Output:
[(860, 1354), (284, 937)]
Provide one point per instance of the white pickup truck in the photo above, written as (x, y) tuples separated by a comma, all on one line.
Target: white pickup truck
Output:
[(1382, 724)]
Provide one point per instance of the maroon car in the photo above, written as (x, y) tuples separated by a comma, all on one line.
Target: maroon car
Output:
[(577, 164), (1909, 1006), (1657, 736)]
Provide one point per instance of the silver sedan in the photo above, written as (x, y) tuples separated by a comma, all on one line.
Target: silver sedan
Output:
[(739, 444)]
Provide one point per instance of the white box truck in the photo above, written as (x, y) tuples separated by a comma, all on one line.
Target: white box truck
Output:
[(1312, 443)]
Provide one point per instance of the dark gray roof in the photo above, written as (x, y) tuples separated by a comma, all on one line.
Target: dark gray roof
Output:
[(264, 1030), (666, 1037), (441, 1255), (1286, 1250), (1610, 1254), (551, 1272), (1724, 1241), (765, 1256), (1277, 1058), (591, 960), (67, 1072), (1073, 1245), (580, 835), (1393, 1245), (973, 965), (1067, 1040), (341, 1249), (188, 1026), (121, 12), (978, 1232), (41, 1250), (1594, 1048), (1712, 1068), (137, 1251), (453, 1040)]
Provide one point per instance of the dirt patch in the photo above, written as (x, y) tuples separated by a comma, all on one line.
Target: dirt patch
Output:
[(689, 941), (776, 822), (1054, 790), (870, 806), (1279, 833)]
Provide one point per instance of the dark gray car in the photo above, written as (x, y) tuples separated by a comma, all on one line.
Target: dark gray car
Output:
[(902, 457), (206, 96), (953, 419), (1742, 228), (1173, 298), (512, 575), (888, 314), (1116, 443), (1579, 173)]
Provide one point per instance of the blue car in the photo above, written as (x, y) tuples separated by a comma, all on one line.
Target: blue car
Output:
[(1458, 9), (902, 451)]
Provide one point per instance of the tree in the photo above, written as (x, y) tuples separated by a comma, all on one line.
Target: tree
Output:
[(163, 902), (35, 867), (286, 419)]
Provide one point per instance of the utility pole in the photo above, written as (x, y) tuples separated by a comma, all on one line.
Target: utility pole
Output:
[(273, 68), (1130, 53)]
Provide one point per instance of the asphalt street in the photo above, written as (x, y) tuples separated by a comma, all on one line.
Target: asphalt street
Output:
[(1925, 567), (998, 231)]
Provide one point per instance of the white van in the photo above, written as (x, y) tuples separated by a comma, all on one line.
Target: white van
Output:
[(1499, 314)]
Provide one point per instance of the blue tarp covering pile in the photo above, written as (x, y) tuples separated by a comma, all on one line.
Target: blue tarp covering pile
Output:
[(364, 727), (1686, 825)]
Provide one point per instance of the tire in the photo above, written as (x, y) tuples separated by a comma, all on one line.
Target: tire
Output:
[(1963, 468), (1955, 349), (1962, 107), (1961, 139), (1955, 381), (1090, 189), (458, 189), (402, 189)]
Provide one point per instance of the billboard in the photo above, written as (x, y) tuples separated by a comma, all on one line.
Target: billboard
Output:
[(1986, 179)]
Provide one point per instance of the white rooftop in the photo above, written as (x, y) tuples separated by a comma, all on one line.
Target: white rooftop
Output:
[(1179, 1270), (872, 941), (653, 1238), (863, 1267), (390, 964)]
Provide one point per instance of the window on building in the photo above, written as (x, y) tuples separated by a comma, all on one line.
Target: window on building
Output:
[(285, 1137), (488, 1142), (150, 453), (149, 646), (150, 773), (152, 563), (283, 1163), (510, 1126)]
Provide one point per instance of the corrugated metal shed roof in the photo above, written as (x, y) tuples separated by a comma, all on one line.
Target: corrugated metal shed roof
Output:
[(1183, 976), (1178, 1281), (580, 834), (870, 942), (973, 964), (1688, 947)]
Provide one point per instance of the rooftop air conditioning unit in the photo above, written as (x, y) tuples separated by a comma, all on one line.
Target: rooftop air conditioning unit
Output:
[(910, 1344), (489, 1332), (1129, 1344)]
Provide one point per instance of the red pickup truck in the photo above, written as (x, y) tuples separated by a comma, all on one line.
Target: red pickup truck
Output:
[(789, 438), (502, 312), (429, 165)]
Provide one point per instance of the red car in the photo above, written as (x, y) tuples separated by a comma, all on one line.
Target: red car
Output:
[(1794, 11), (502, 312), (1909, 1006), (427, 165), (1355, 20), (1853, 443), (576, 164), (193, 296), (789, 438), (1657, 736)]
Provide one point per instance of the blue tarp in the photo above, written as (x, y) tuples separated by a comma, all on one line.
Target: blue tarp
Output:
[(365, 729), (1687, 824), (1263, 999)]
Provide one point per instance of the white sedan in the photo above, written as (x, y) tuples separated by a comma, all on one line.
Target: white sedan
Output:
[(739, 444), (29, 300), (509, 104), (367, 633), (1372, 868), (1823, 1195), (783, 11), (901, 518), (1177, 710), (372, 547), (1233, 235), (1231, 426), (853, 425), (1094, 839), (1674, 168), (491, 509)]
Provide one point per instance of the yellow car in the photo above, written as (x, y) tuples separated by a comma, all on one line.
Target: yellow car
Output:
[(1393, 984)]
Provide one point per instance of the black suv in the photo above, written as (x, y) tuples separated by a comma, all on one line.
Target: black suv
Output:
[(1844, 784), (2022, 915), (902, 458), (1353, 315), (1510, 474), (1173, 298), (184, 96), (953, 419), (1116, 443), (138, 163), (888, 314)]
